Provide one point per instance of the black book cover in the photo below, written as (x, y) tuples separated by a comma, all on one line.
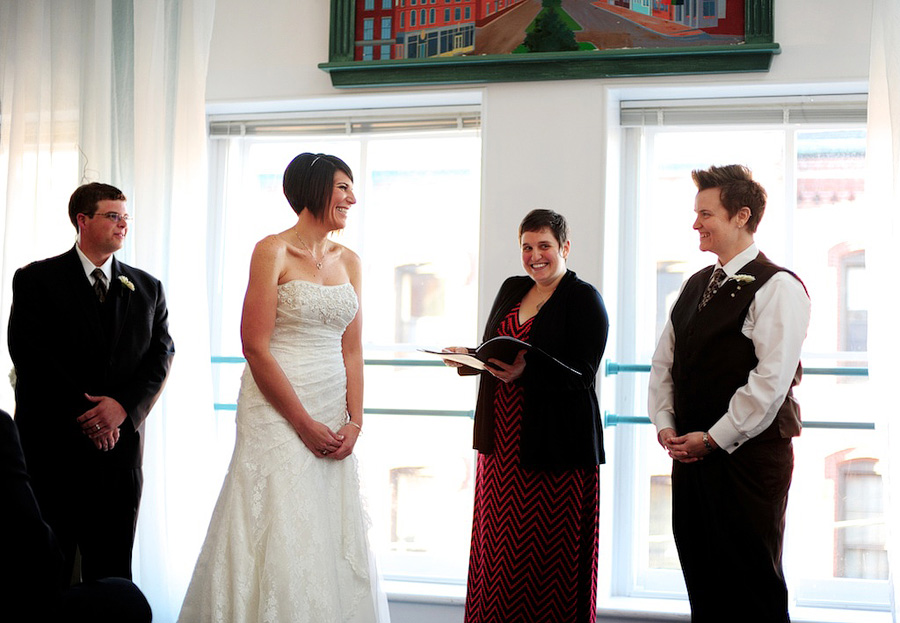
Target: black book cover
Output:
[(502, 347)]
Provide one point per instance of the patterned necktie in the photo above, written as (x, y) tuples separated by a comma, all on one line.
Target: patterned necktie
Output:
[(99, 284), (718, 278)]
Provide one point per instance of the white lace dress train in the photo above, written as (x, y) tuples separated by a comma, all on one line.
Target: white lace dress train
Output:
[(287, 540)]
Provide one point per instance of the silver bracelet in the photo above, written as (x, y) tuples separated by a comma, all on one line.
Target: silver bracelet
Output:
[(706, 442), (352, 423)]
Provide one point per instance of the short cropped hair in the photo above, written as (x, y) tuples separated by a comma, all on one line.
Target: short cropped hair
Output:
[(85, 199), (539, 219), (737, 189), (309, 179)]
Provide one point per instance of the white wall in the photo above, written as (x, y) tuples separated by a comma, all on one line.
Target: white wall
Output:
[(269, 51)]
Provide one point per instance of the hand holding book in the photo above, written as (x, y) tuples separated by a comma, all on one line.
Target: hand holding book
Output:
[(502, 348)]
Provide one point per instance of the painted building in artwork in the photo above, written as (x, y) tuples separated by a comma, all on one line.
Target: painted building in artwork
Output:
[(716, 17), (414, 28), (641, 6), (375, 30)]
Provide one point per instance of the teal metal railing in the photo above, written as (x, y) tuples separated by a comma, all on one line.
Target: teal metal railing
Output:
[(612, 419), (414, 363), (611, 368)]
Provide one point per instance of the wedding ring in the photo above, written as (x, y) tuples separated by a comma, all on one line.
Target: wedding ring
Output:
[(97, 426), (324, 451)]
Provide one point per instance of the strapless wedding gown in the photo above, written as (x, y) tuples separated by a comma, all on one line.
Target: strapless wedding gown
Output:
[(287, 540)]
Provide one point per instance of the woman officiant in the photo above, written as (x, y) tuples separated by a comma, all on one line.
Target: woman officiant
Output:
[(539, 438)]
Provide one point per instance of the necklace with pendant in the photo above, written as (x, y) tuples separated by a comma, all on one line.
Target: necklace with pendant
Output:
[(318, 263)]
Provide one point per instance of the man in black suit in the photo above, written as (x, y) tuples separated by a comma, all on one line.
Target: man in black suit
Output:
[(89, 339), (33, 582)]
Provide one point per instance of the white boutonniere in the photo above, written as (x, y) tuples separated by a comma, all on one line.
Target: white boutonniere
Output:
[(741, 280), (126, 282)]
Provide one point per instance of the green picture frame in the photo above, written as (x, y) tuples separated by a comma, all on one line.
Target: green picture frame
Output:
[(753, 55)]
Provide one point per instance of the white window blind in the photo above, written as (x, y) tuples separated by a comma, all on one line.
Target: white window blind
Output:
[(344, 122), (755, 110)]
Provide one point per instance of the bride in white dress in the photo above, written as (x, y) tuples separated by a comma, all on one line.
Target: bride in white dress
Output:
[(287, 540)]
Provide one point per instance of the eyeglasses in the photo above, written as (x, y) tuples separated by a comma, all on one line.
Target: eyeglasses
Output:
[(115, 217)]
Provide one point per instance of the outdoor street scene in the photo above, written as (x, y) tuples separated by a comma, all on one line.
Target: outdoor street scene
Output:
[(413, 29)]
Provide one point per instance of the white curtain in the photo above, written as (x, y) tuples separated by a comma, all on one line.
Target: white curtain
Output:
[(883, 190), (114, 91)]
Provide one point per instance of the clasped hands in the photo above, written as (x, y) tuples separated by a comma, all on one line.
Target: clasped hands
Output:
[(324, 443), (101, 422), (506, 372), (688, 448)]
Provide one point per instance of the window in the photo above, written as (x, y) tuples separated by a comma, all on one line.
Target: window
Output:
[(369, 5), (853, 312), (368, 29), (386, 4), (385, 29), (859, 533), (812, 167), (412, 19), (385, 51), (416, 227)]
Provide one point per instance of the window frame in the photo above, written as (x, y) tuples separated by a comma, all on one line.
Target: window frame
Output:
[(457, 116), (631, 141)]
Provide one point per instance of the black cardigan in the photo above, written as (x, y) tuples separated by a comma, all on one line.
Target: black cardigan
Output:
[(561, 422)]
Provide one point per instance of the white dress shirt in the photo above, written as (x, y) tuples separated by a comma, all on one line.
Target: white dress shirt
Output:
[(776, 323), (89, 267)]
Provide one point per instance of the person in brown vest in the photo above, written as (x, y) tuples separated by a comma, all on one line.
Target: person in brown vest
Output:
[(721, 399)]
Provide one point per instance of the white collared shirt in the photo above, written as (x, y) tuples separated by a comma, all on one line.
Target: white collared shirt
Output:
[(89, 267), (776, 323)]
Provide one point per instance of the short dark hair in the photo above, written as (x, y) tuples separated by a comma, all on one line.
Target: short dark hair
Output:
[(308, 181), (85, 199), (737, 189), (539, 219)]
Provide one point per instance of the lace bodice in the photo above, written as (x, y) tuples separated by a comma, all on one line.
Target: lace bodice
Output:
[(300, 300)]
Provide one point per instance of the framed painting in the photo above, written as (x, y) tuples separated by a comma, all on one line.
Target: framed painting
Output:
[(415, 42)]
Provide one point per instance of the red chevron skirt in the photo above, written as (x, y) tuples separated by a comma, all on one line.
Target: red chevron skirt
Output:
[(535, 533)]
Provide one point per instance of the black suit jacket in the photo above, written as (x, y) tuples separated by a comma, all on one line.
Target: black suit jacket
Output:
[(561, 424), (64, 344)]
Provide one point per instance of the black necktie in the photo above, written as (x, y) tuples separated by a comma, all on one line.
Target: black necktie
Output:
[(99, 284), (718, 278)]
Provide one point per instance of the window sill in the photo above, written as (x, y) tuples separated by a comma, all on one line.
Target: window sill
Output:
[(425, 592), (620, 608), (645, 609)]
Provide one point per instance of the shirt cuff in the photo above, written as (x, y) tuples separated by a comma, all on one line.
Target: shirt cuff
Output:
[(727, 436), (664, 420)]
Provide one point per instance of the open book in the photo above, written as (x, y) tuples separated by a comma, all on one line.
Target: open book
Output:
[(502, 347)]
